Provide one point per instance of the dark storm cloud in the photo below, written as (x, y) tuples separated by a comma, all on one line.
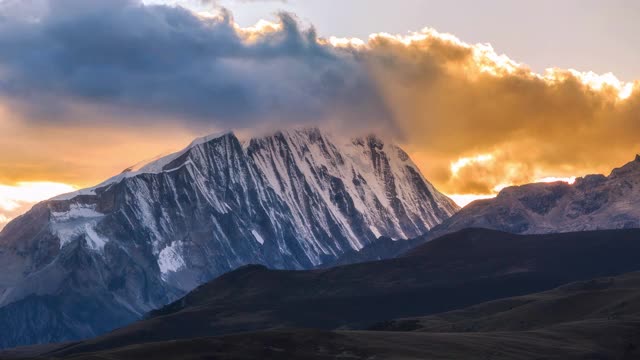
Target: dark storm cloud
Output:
[(125, 56)]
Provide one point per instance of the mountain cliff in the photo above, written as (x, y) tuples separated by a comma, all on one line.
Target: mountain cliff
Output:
[(98, 258)]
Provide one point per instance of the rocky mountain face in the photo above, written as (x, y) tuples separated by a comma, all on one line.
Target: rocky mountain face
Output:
[(83, 263), (593, 202)]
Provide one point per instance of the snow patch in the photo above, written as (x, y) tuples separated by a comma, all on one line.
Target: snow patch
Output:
[(78, 222), (94, 240), (375, 231), (77, 211), (68, 232), (170, 260), (258, 237)]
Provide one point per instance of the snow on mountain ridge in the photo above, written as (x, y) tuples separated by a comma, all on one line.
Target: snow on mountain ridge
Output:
[(293, 199), (319, 156), (158, 163), (322, 156), (153, 166)]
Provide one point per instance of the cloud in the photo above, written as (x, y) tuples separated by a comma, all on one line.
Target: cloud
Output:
[(18, 198), (124, 57), (454, 100), (99, 70)]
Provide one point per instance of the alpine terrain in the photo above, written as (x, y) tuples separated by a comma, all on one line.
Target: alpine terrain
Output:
[(593, 202), (84, 263)]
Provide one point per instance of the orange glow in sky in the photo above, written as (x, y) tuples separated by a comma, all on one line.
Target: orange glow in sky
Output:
[(17, 198)]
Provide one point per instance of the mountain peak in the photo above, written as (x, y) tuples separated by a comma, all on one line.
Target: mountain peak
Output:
[(293, 199), (210, 137), (629, 169)]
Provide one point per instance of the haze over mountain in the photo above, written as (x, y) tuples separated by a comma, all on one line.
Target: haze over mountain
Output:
[(101, 257)]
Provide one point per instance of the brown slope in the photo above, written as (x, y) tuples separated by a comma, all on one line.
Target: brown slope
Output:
[(460, 270), (609, 298), (596, 319), (589, 340)]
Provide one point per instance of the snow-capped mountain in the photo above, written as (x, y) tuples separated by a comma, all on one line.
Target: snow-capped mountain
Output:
[(100, 257), (594, 202)]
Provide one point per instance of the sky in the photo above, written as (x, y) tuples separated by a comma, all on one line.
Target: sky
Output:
[(588, 35), (482, 95)]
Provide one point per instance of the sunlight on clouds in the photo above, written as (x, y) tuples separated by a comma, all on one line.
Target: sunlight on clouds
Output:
[(15, 196), (511, 174), (252, 34), (484, 121), (550, 179), (465, 199), (487, 60), (419, 37), (478, 120), (18, 198), (600, 82), (346, 42), (261, 27), (463, 162)]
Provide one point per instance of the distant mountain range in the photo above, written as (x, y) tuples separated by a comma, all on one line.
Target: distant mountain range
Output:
[(84, 263), (452, 272), (594, 202)]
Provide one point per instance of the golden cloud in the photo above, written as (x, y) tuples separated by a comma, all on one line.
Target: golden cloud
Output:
[(477, 121)]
